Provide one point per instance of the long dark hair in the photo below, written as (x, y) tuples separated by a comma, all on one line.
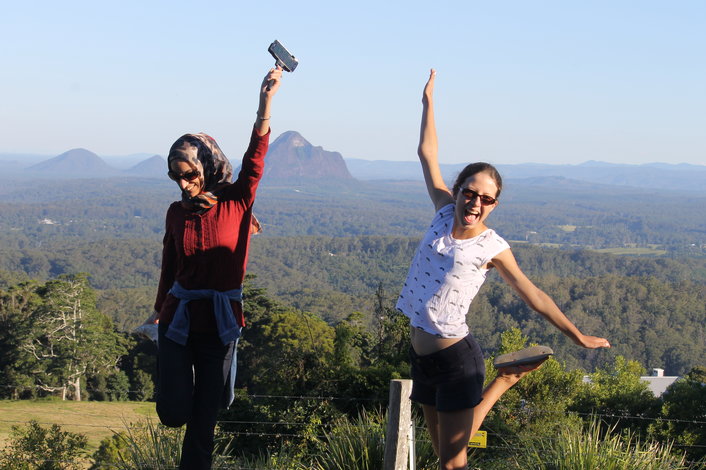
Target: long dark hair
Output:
[(478, 167)]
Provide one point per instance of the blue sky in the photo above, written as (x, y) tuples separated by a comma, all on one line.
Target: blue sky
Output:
[(518, 81)]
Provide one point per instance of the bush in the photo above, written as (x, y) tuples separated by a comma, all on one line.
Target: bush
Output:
[(38, 448), (143, 386), (354, 445), (145, 445), (593, 449), (118, 386), (683, 414), (142, 445)]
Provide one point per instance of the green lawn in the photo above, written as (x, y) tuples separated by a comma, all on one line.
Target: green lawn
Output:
[(95, 419)]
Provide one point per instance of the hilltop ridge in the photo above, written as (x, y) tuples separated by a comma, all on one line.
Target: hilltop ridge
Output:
[(291, 156)]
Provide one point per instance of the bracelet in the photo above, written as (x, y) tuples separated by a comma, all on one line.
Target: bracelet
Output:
[(263, 118)]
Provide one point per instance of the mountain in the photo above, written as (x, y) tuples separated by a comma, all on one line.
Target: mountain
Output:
[(395, 170), (124, 162), (153, 167), (662, 176), (79, 163), (292, 157)]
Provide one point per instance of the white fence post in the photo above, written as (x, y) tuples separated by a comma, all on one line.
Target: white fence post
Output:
[(399, 417)]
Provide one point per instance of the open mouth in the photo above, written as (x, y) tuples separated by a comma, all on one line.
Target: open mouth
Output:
[(470, 216)]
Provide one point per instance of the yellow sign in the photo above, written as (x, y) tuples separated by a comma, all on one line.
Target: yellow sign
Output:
[(480, 440)]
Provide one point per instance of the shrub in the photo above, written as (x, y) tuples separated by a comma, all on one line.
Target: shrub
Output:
[(593, 449), (146, 445), (39, 448)]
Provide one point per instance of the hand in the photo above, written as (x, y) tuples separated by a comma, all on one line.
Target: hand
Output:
[(271, 82), (429, 87), (592, 342)]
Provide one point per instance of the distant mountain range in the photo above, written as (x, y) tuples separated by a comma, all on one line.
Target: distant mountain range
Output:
[(662, 176), (82, 163), (293, 159)]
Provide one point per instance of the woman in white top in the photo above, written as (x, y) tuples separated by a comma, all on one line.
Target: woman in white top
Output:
[(450, 265)]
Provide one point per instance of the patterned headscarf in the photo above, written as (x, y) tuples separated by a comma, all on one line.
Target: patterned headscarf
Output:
[(217, 171)]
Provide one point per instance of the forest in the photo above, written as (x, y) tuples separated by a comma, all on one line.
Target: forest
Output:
[(556, 212), (652, 309)]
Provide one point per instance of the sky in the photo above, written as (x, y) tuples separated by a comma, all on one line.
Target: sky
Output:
[(558, 82)]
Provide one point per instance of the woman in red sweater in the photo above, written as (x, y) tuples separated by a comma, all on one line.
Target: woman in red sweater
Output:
[(199, 302)]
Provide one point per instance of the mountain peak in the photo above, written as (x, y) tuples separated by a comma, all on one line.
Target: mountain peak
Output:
[(155, 166), (77, 162), (291, 156), (292, 138)]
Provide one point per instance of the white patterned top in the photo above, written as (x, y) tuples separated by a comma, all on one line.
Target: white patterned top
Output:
[(445, 276)]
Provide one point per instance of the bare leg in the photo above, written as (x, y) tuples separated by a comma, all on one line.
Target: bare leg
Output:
[(432, 421), (454, 434), (506, 378), (450, 433)]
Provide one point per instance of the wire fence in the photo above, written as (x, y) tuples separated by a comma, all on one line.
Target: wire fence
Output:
[(527, 407), (322, 431)]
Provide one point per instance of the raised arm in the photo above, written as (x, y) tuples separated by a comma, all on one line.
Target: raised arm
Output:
[(540, 302), (428, 149), (270, 85)]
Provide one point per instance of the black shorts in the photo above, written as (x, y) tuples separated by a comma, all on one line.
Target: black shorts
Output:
[(450, 379)]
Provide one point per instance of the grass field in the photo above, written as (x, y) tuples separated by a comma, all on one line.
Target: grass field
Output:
[(652, 250), (640, 251), (96, 419)]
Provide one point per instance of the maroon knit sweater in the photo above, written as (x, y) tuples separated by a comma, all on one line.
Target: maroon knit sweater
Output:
[(210, 250)]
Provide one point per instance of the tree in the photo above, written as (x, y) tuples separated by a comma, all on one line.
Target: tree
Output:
[(617, 392), (16, 307), (70, 338), (683, 414), (291, 352)]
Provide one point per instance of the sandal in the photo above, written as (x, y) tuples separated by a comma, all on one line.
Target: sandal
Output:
[(525, 356)]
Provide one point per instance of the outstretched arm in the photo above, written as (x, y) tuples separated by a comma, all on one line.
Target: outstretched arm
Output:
[(428, 149), (540, 302), (269, 87)]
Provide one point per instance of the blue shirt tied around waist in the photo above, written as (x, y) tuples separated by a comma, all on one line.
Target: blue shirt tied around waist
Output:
[(228, 329)]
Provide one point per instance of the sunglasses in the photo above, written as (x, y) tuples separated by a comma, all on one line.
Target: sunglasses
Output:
[(188, 176), (484, 200)]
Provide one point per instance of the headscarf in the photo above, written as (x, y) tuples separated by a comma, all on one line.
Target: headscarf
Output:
[(217, 171)]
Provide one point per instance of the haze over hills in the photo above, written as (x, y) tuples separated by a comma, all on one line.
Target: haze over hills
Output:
[(293, 159), (664, 176)]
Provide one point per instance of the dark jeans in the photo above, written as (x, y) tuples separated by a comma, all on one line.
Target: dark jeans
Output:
[(190, 389)]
